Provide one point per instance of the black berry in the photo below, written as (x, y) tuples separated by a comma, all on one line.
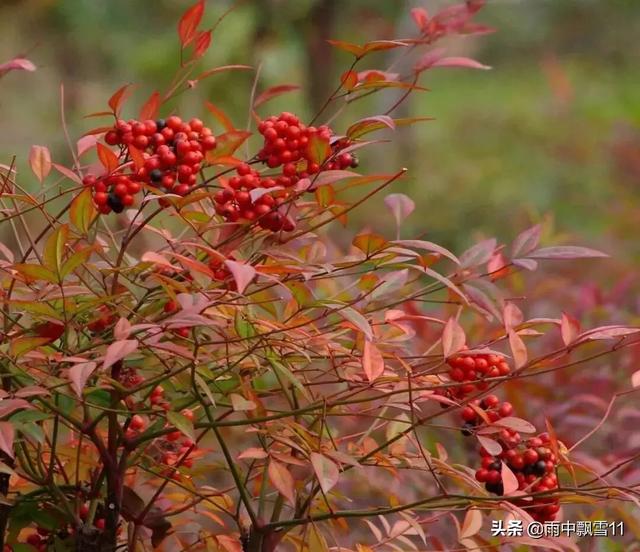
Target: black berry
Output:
[(115, 203)]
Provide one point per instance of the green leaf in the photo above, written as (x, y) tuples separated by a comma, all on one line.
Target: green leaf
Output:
[(73, 262), (36, 272), (182, 424), (82, 211), (21, 345), (203, 385), (243, 327), (318, 149), (284, 371), (54, 249)]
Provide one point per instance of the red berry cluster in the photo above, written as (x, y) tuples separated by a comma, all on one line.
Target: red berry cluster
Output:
[(287, 141), (105, 319), (466, 368), (235, 202), (221, 273), (157, 398), (129, 377), (173, 152), (175, 445), (532, 462)]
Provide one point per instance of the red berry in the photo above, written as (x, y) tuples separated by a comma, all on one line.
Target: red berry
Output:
[(137, 422)]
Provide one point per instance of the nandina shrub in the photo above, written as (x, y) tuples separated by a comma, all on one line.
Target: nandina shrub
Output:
[(189, 362)]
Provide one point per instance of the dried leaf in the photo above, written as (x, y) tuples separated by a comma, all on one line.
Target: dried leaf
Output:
[(326, 471), (40, 161), (282, 480), (372, 361), (79, 374)]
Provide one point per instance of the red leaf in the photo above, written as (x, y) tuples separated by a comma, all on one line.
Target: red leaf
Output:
[(40, 161), (453, 338), (7, 435), (220, 115), (326, 470), (372, 361), (203, 41), (118, 350), (9, 406), (569, 328), (107, 158), (518, 348), (318, 149), (252, 453), (421, 18), (151, 107), (282, 480), (467, 63), (517, 424), (347, 47), (509, 480), (527, 241), (400, 205), (274, 91), (227, 144), (86, 143), (79, 374), (491, 446), (122, 329), (136, 156), (566, 252), (189, 22), (479, 254), (17, 64), (349, 80), (608, 332), (118, 98), (471, 525), (242, 274), (370, 124), (512, 316)]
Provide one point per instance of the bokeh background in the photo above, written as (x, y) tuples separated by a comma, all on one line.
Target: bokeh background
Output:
[(551, 130)]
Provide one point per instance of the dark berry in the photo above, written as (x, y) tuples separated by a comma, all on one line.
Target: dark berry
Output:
[(155, 175), (540, 467), (467, 428), (115, 203)]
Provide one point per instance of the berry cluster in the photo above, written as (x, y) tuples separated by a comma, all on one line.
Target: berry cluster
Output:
[(172, 150), (470, 367), (287, 142), (532, 462), (175, 446), (235, 201), (105, 319)]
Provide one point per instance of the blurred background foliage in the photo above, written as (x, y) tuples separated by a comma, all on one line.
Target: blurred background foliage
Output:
[(551, 131)]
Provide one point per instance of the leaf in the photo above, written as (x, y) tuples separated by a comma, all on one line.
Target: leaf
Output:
[(370, 124), (9, 406), (183, 424), (202, 43), (509, 480), (370, 243), (273, 92), (569, 328), (230, 543), (372, 361), (220, 115), (253, 453), (36, 272), (400, 205), (86, 143), (428, 246), (227, 144), (453, 337), (566, 252), (221, 69), (7, 435), (491, 446), (107, 158), (420, 17), (528, 264), (282, 480), (284, 371), (353, 316), (517, 424), (67, 172), (479, 254), (512, 316), (40, 161), (53, 252), (118, 350), (188, 24), (518, 348), (122, 329), (471, 525), (118, 98), (318, 149), (203, 385), (526, 241), (326, 471), (16, 64), (349, 80), (151, 107), (464, 62), (608, 332), (242, 274), (635, 379), (240, 404), (79, 374), (77, 259)]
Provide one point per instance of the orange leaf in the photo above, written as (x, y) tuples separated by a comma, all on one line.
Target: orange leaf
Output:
[(40, 161), (118, 98), (150, 108), (349, 80), (282, 480), (220, 115), (203, 41), (228, 143), (318, 149), (189, 23), (372, 361), (136, 156), (274, 91), (106, 156)]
